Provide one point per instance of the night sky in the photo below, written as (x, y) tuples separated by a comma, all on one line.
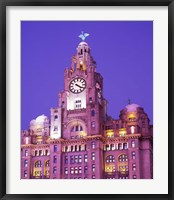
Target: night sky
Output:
[(123, 52)]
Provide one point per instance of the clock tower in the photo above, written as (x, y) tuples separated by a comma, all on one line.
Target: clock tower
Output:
[(82, 108)]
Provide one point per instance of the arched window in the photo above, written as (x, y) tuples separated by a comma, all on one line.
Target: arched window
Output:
[(47, 163), (38, 164), (110, 159), (123, 158), (123, 165), (72, 129), (93, 113)]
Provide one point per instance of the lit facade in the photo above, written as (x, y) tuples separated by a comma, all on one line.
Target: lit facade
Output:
[(80, 140)]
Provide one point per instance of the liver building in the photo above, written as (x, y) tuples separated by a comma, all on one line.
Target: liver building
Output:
[(79, 140)]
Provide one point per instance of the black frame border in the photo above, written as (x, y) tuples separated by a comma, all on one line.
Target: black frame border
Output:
[(3, 5)]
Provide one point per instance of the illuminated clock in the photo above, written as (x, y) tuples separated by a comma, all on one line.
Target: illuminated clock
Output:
[(77, 85)]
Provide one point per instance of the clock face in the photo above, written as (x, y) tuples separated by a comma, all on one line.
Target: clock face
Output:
[(77, 85)]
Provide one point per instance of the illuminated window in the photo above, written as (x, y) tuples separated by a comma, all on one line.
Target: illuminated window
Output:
[(112, 147), (134, 176), (80, 158), (133, 155), (123, 158), (66, 170), (54, 170), (93, 145), (93, 124), (55, 159), (25, 163), (76, 170), (120, 147), (25, 173), (93, 168), (134, 167), (47, 163), (133, 143), (72, 170), (109, 133), (110, 159), (122, 132), (93, 155), (93, 177), (76, 159), (55, 148), (132, 129), (86, 158), (125, 146), (107, 147), (93, 113), (80, 170), (26, 152), (46, 152), (66, 159), (123, 168)]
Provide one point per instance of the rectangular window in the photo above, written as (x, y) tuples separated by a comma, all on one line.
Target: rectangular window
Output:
[(86, 158), (107, 147), (76, 159), (25, 173), (54, 170), (133, 155), (112, 147), (26, 152), (66, 170), (80, 158), (125, 146), (76, 170), (72, 170), (85, 169), (134, 176), (93, 124), (133, 143), (134, 167), (93, 145), (80, 170), (40, 152), (26, 163), (93, 155), (55, 148), (66, 159), (93, 168), (72, 159), (119, 146), (55, 159)]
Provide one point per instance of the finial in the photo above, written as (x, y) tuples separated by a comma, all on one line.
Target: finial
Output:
[(83, 35), (129, 101)]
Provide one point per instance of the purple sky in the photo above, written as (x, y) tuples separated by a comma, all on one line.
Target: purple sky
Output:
[(123, 52)]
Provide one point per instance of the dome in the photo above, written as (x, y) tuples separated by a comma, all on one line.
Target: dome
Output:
[(132, 107), (83, 43), (41, 119), (33, 121)]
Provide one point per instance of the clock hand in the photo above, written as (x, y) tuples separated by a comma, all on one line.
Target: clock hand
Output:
[(78, 85)]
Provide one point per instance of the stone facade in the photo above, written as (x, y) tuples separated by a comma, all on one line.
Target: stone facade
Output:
[(80, 140)]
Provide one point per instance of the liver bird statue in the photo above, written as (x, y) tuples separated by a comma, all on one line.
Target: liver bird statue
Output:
[(83, 35)]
